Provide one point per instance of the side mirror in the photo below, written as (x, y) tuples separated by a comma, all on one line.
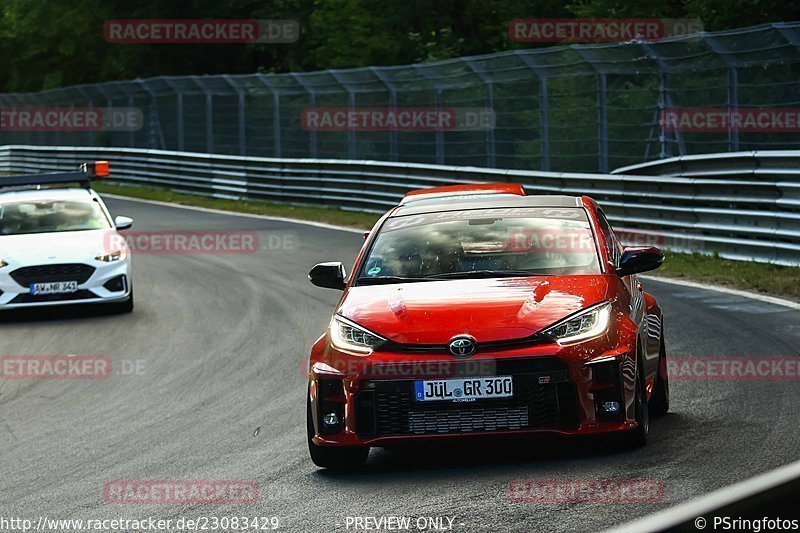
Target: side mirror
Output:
[(640, 259), (328, 275), (123, 222)]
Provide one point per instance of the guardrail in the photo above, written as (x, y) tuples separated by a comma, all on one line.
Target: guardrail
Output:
[(767, 502), (746, 195), (744, 216)]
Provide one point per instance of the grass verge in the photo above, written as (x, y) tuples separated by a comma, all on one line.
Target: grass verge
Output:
[(776, 280), (781, 281), (329, 215)]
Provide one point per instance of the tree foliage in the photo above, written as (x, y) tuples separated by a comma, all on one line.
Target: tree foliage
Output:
[(51, 43)]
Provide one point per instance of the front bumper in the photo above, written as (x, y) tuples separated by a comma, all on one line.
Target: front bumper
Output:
[(556, 390), (98, 282)]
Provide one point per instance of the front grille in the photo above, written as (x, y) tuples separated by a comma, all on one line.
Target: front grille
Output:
[(452, 368), (532, 340), (443, 421), (28, 298), (44, 273), (387, 408)]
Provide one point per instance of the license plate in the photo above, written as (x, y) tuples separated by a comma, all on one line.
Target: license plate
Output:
[(463, 389), (54, 287)]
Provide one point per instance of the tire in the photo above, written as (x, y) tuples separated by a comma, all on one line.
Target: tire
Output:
[(333, 457), (637, 437), (659, 403)]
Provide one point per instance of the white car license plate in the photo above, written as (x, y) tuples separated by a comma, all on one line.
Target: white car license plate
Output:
[(463, 389), (54, 287)]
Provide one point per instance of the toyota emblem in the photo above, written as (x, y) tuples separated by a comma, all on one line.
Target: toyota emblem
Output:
[(461, 347)]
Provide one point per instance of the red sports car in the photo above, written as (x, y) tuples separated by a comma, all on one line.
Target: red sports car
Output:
[(476, 310)]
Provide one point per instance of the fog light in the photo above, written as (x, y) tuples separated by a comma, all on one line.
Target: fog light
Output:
[(116, 284), (611, 407), (330, 419)]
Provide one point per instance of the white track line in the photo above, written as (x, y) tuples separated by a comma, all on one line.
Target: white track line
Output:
[(745, 294), (237, 214), (710, 503), (736, 292)]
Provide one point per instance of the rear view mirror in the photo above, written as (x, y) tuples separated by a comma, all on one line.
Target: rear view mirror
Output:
[(328, 275), (123, 222), (640, 259)]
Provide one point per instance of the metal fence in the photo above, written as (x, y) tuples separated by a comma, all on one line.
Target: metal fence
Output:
[(578, 108), (741, 212)]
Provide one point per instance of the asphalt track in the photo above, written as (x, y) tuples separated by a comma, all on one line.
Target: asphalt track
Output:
[(219, 341)]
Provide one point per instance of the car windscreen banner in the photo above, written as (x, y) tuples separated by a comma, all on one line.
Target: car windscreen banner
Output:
[(486, 215)]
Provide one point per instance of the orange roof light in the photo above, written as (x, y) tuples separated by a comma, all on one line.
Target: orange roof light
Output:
[(101, 169)]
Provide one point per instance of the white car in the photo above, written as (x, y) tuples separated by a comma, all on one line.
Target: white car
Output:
[(59, 246)]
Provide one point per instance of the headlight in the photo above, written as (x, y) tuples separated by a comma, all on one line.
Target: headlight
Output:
[(349, 336), (590, 322), (110, 257)]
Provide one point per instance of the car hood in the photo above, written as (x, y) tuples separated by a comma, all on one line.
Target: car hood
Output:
[(61, 247), (433, 312)]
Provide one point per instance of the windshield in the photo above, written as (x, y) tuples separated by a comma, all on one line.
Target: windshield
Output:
[(48, 216), (482, 243)]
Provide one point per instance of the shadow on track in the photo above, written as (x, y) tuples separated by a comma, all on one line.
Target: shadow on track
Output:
[(58, 313), (504, 455)]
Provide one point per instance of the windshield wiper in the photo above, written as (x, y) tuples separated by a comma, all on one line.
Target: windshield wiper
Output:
[(485, 274), (383, 280)]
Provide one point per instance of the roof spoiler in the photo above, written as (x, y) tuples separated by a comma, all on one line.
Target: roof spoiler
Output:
[(86, 172), (480, 189)]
